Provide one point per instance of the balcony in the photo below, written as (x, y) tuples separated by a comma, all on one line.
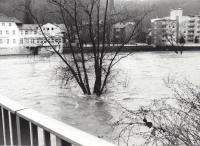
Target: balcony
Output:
[(20, 125), (191, 21), (191, 26)]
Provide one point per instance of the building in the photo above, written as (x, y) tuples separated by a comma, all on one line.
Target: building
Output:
[(19, 38), (9, 33), (28, 35), (187, 27), (122, 31), (192, 30), (164, 31)]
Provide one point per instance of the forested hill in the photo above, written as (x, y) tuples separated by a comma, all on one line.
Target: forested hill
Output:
[(160, 7)]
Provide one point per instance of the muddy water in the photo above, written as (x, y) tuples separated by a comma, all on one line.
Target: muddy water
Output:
[(33, 82)]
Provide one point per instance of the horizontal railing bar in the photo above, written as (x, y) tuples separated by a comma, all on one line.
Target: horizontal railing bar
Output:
[(10, 105), (59, 129)]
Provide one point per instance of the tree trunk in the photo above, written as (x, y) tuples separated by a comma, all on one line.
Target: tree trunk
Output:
[(97, 84)]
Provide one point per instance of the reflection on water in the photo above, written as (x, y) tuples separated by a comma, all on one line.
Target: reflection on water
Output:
[(32, 81)]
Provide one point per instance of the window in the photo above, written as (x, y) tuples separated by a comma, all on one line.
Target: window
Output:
[(7, 41), (32, 41), (7, 32), (14, 41), (27, 41), (22, 32), (35, 32), (13, 32), (1, 41), (21, 41), (26, 32), (47, 28), (0, 32), (52, 28), (3, 24), (10, 24)]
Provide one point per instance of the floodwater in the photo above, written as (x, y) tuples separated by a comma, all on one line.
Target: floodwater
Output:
[(32, 81)]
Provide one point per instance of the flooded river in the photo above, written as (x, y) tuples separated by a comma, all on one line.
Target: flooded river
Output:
[(32, 81)]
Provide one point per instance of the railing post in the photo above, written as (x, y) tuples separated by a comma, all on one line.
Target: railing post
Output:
[(6, 128), (10, 128), (1, 129), (18, 131), (33, 134)]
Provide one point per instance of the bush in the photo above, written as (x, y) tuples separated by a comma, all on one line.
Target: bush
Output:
[(165, 122)]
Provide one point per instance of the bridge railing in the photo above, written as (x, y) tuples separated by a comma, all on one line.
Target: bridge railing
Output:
[(20, 125)]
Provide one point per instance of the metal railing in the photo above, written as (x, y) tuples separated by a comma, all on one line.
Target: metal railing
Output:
[(20, 125)]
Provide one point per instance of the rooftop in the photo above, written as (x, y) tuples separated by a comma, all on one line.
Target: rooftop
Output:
[(29, 27), (4, 18), (123, 25)]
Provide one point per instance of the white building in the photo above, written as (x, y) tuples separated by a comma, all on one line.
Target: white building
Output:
[(9, 34), (18, 38), (28, 35), (54, 33)]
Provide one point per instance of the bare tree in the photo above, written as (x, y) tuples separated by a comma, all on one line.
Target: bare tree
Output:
[(165, 122), (92, 19)]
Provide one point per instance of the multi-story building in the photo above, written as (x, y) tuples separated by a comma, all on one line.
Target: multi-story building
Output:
[(164, 31), (192, 29), (187, 27), (9, 33), (28, 35), (19, 38), (122, 31)]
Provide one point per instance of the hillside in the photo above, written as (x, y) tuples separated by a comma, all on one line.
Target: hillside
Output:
[(160, 7)]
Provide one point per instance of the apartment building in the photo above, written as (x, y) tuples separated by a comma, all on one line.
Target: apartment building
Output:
[(192, 30), (164, 31), (183, 26)]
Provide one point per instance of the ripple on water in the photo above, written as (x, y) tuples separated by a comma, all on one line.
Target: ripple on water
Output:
[(33, 82)]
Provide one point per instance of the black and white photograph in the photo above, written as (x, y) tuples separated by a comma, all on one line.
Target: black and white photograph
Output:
[(99, 72)]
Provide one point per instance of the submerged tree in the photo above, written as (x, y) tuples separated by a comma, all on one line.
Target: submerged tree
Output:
[(91, 19)]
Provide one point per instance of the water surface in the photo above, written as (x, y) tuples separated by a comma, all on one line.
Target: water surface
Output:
[(32, 81)]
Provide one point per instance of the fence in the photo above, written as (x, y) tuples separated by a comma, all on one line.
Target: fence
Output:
[(20, 125)]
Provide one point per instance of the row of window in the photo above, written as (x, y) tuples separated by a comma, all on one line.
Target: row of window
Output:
[(48, 28), (29, 41), (7, 32), (8, 41), (6, 24), (26, 32), (39, 41)]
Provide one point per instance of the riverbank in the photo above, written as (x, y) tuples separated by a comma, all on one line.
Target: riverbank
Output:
[(127, 48), (131, 48)]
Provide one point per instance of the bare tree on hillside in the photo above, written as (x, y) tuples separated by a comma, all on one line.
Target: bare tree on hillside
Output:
[(92, 19)]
